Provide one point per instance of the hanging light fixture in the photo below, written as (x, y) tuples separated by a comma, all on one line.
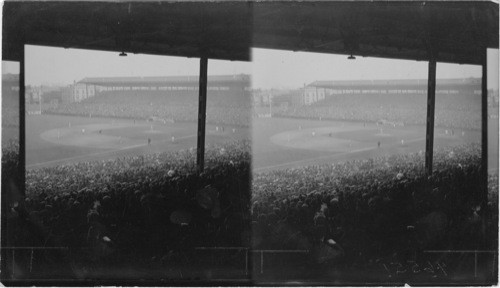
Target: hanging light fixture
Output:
[(123, 54), (351, 57)]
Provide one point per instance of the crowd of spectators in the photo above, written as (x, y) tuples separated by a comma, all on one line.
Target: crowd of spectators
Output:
[(221, 108), (375, 208), (10, 111), (453, 111), (154, 206), (157, 206)]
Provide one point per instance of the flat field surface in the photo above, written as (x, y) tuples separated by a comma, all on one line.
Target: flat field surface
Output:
[(277, 143), (284, 143), (55, 139)]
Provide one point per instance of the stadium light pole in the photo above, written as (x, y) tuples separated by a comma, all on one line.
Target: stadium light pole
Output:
[(431, 101), (202, 112)]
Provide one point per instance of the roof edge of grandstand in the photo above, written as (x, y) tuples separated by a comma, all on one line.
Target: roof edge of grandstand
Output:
[(165, 79), (443, 81)]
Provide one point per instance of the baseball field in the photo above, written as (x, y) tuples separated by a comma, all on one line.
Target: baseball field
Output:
[(56, 140), (276, 142)]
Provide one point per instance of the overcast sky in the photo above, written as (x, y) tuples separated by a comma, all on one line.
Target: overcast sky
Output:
[(276, 68), (269, 68), (57, 65)]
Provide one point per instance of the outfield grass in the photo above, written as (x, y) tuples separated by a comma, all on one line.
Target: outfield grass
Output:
[(276, 142), (285, 143), (55, 139)]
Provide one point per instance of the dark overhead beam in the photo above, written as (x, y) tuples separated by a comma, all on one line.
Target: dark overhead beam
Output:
[(159, 28), (376, 29), (226, 30)]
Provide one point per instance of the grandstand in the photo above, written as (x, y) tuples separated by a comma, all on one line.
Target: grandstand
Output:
[(232, 86), (458, 102), (10, 98), (338, 208), (174, 98), (319, 90), (10, 108)]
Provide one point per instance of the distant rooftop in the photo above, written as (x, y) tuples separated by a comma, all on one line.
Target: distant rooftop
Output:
[(165, 79), (409, 82)]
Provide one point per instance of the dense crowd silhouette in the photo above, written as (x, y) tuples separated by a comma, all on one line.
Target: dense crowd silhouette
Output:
[(134, 208), (372, 208), (454, 111), (221, 108), (156, 209)]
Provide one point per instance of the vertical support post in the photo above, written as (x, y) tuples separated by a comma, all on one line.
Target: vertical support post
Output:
[(431, 100), (483, 198), (22, 126), (10, 194), (202, 111)]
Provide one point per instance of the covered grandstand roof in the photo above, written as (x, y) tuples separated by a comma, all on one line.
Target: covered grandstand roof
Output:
[(166, 79), (447, 31), (188, 29), (395, 82)]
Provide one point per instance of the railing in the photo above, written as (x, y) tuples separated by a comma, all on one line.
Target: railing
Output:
[(247, 250), (469, 252), (250, 250), (32, 249), (439, 267)]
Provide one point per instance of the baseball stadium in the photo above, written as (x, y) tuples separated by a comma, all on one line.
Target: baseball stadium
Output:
[(204, 178), (105, 118), (82, 131), (291, 139)]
